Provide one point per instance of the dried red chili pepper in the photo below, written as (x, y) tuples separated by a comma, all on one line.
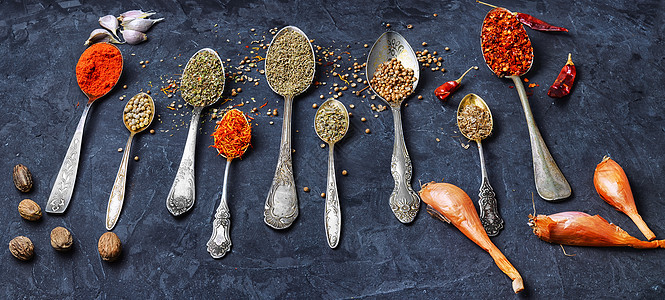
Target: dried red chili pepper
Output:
[(444, 90), (564, 82), (531, 21)]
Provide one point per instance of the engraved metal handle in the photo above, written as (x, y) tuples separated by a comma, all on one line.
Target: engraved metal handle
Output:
[(63, 188), (550, 182), (117, 197), (281, 206), (489, 214), (403, 201), (220, 241), (333, 214), (182, 195)]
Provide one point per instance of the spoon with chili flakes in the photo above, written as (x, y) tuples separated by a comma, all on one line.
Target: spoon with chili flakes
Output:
[(508, 53), (231, 139)]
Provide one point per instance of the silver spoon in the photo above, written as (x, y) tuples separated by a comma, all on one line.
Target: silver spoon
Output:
[(220, 241), (550, 182), (403, 201), (117, 196), (281, 207), (489, 214), (182, 194), (331, 124), (63, 188)]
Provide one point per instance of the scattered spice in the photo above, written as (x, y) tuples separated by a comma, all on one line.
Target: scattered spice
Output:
[(29, 210), (330, 121), (323, 195), (344, 172), (98, 69), (22, 248), (138, 112), (392, 81), (444, 90), (203, 79), (232, 134), (61, 239), (474, 122), (506, 46), (290, 63), (109, 246), (305, 189), (564, 82)]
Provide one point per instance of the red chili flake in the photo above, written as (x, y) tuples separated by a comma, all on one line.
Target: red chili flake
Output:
[(506, 46)]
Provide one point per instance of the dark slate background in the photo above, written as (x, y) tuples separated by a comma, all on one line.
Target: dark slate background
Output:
[(616, 108)]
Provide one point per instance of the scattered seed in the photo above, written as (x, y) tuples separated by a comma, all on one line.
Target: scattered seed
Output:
[(323, 195), (152, 131), (344, 172), (314, 105), (305, 189), (136, 158), (119, 149), (367, 131), (363, 119)]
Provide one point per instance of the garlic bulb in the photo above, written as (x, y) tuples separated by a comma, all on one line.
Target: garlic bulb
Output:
[(141, 25), (133, 37), (100, 35), (111, 23)]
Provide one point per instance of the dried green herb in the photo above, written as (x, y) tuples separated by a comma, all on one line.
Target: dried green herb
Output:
[(330, 122), (290, 63), (474, 122), (203, 79)]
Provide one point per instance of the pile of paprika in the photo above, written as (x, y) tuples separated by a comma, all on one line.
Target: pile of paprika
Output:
[(98, 69)]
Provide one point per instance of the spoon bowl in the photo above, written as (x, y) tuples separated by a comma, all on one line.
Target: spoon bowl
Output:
[(520, 28), (281, 207), (183, 191), (404, 202), (392, 45), (475, 100), (220, 240), (331, 124), (117, 197)]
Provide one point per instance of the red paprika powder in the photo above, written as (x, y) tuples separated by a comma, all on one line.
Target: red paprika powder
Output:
[(98, 69)]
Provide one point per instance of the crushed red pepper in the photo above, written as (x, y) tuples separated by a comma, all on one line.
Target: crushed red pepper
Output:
[(506, 46), (564, 82), (232, 134)]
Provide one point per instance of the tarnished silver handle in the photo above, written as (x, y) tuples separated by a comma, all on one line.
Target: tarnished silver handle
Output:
[(63, 188), (333, 214), (403, 201), (550, 182), (117, 197), (489, 213), (220, 241), (182, 195), (281, 207)]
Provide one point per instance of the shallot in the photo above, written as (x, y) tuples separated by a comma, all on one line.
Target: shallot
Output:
[(451, 204), (576, 228), (612, 185)]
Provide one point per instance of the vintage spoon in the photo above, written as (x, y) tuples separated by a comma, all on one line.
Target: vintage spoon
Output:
[(281, 207), (403, 201), (220, 241), (63, 188), (182, 195), (117, 196), (331, 124), (550, 182), (489, 214)]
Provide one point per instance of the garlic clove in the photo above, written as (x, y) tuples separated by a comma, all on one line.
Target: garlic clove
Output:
[(100, 35), (133, 37), (135, 14), (111, 23), (141, 25)]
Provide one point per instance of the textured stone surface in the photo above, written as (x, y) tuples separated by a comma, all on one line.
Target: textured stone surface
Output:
[(616, 108)]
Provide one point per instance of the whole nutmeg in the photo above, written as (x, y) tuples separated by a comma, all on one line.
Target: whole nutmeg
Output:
[(22, 248), (61, 239), (109, 246), (29, 210), (22, 178)]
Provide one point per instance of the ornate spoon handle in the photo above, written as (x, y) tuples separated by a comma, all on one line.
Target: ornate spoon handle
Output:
[(333, 214), (489, 214), (63, 188), (182, 195), (403, 200), (281, 206), (550, 183), (220, 241), (117, 197)]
